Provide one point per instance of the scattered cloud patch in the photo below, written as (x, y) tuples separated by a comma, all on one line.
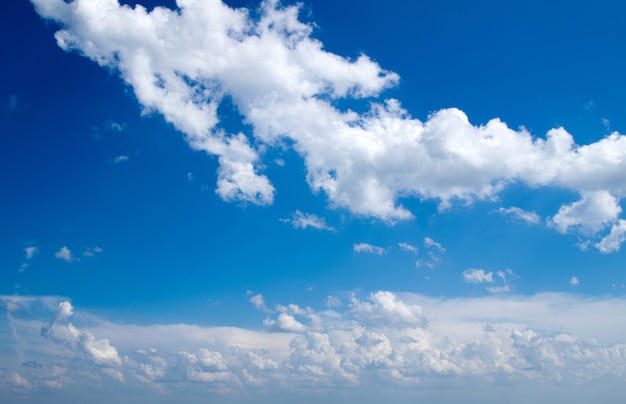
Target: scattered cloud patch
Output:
[(360, 248), (573, 281), (91, 251), (592, 213), (30, 252), (65, 254), (613, 241), (301, 220), (259, 302), (408, 247), (477, 276), (520, 214), (430, 243), (120, 159)]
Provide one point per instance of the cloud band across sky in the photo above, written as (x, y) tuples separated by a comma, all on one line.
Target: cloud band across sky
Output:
[(182, 63), (400, 340)]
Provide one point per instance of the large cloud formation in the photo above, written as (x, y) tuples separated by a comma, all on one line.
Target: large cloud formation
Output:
[(385, 339), (183, 63)]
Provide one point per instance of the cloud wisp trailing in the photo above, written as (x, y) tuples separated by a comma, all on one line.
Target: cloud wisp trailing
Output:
[(182, 63)]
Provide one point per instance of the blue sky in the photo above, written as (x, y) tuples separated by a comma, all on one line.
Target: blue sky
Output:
[(266, 202)]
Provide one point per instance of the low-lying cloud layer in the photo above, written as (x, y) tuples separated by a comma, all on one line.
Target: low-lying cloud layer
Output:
[(401, 340)]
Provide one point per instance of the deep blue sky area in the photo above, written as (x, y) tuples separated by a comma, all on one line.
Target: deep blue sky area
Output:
[(106, 201)]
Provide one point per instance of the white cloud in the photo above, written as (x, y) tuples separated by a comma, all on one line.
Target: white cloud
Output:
[(301, 220), (386, 341), (259, 302), (120, 159), (368, 248), (613, 241), (573, 281), (182, 63), (480, 276), (284, 323), (520, 214), (65, 254), (408, 247), (30, 252), (430, 243), (90, 252), (477, 276), (592, 213)]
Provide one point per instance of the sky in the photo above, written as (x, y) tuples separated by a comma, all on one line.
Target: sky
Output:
[(248, 201)]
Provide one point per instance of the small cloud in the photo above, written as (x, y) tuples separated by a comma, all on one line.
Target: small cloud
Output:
[(481, 276), (65, 254), (613, 241), (430, 243), (114, 126), (120, 159), (259, 302), (190, 177), (499, 289), (408, 247), (301, 220), (606, 123), (30, 252), (573, 281), (332, 301), (521, 214), (477, 276), (280, 162), (368, 248), (284, 323), (90, 252), (12, 104)]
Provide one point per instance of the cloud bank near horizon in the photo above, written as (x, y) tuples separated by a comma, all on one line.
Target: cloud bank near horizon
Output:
[(402, 340)]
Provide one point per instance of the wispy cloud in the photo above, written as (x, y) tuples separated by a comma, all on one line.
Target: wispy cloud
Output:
[(521, 214), (301, 220), (91, 251), (368, 248), (408, 247), (30, 252)]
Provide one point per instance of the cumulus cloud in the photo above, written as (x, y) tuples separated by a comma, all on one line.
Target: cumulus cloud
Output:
[(573, 281), (477, 276), (613, 241), (301, 220), (259, 302), (65, 254), (182, 63), (592, 213), (385, 340), (520, 214), (82, 342), (368, 248)]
